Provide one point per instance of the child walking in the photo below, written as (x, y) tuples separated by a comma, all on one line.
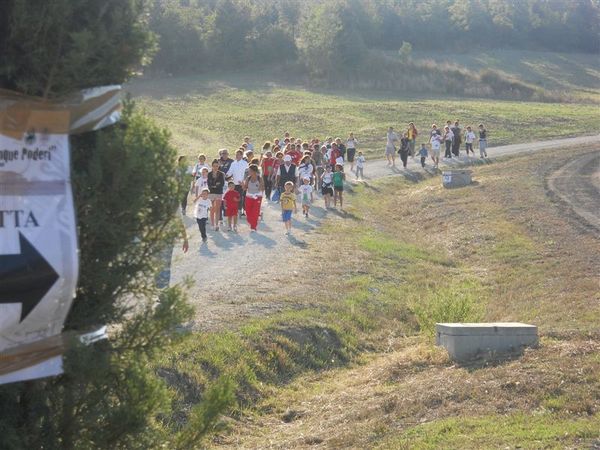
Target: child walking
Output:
[(288, 204), (436, 143), (469, 139), (306, 192), (423, 154), (360, 165), (338, 185), (327, 186), (203, 205), (232, 201)]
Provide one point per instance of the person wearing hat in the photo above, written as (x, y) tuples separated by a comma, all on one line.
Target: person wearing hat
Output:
[(287, 172)]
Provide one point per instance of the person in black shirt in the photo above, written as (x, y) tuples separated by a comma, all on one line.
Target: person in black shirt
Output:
[(482, 141), (404, 149), (457, 139)]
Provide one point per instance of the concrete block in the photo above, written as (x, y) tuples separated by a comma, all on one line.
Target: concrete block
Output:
[(465, 341), (456, 178)]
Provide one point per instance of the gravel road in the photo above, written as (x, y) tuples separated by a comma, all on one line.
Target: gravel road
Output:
[(239, 275), (577, 184)]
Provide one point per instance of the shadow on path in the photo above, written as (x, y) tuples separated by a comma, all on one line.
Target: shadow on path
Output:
[(263, 240)]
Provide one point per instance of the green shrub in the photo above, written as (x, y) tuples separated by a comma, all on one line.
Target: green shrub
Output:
[(457, 303)]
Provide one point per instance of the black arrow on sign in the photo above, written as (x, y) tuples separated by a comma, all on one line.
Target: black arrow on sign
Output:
[(25, 278)]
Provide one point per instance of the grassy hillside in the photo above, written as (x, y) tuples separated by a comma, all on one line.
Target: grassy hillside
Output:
[(578, 75), (205, 115)]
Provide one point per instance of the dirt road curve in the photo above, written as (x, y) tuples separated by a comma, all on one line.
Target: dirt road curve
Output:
[(577, 184), (239, 275)]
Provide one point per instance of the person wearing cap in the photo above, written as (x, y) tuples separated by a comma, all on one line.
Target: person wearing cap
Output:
[(236, 173), (287, 172), (306, 195)]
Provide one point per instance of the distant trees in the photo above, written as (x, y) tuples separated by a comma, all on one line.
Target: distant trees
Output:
[(204, 35)]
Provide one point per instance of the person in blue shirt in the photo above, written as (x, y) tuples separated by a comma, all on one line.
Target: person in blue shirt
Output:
[(423, 154)]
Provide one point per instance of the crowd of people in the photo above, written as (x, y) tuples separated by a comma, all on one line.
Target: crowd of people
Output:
[(451, 136), (292, 172)]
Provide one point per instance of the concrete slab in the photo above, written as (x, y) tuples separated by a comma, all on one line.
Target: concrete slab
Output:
[(465, 341), (456, 178)]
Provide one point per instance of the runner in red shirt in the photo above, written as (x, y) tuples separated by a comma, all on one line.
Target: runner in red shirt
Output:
[(232, 201), (296, 153), (334, 155), (268, 165)]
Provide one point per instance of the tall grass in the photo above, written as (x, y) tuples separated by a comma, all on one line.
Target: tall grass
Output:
[(459, 302)]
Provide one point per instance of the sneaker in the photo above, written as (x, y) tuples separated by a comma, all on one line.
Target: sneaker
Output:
[(287, 233), (204, 240), (230, 229), (235, 229)]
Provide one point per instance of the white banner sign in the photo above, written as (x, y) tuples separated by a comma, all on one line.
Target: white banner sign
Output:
[(38, 237)]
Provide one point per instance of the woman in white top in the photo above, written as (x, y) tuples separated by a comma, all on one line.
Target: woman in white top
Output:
[(254, 188), (390, 148), (448, 138), (306, 169), (351, 143)]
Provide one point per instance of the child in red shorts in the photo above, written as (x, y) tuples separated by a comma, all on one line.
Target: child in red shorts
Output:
[(232, 201)]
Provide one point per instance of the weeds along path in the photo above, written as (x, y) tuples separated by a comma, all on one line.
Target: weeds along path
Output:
[(242, 275), (577, 184)]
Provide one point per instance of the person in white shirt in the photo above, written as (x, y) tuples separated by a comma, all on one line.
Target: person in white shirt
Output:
[(305, 169), (436, 144), (237, 173), (327, 186), (201, 182), (390, 148), (469, 139), (203, 205), (306, 195), (448, 138), (199, 165), (351, 144), (249, 145), (360, 165)]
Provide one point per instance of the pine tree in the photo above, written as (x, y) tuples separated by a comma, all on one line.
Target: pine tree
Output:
[(124, 188)]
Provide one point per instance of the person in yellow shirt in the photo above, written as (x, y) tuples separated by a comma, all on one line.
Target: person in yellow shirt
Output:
[(288, 204)]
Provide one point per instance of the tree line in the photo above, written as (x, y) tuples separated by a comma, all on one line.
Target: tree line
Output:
[(206, 35)]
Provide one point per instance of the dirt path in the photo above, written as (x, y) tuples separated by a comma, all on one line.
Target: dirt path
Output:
[(577, 184), (237, 276)]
